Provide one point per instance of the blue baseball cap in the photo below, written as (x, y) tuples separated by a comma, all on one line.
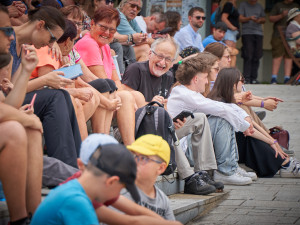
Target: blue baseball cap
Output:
[(91, 143)]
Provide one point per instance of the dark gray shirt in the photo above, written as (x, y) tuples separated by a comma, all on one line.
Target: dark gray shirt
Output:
[(248, 10), (138, 77)]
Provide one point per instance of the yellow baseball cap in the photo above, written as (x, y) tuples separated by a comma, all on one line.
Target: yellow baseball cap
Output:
[(151, 144)]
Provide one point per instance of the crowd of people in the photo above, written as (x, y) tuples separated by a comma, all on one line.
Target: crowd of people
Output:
[(127, 61)]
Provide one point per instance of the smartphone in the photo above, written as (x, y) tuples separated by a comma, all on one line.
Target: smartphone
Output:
[(32, 101), (182, 115), (164, 31)]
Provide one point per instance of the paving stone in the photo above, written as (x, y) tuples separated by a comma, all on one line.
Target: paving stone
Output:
[(232, 202), (272, 204), (268, 201)]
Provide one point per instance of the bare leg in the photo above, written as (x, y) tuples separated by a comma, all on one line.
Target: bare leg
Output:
[(90, 106), (126, 117), (233, 54), (139, 98), (99, 118), (80, 117), (34, 170), (232, 45), (142, 52), (288, 63), (13, 167), (276, 65)]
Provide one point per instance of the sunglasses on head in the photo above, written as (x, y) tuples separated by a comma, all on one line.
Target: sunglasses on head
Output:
[(8, 31), (134, 6), (52, 37), (200, 17)]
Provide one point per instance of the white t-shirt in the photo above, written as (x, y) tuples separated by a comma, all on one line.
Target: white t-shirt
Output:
[(142, 24)]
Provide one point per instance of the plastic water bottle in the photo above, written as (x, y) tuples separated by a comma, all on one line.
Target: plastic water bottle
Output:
[(2, 197)]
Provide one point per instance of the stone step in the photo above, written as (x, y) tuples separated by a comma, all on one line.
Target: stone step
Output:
[(187, 207)]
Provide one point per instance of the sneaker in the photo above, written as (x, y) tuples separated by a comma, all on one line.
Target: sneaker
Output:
[(293, 170), (286, 80), (208, 179), (195, 185), (274, 80), (247, 81), (244, 173), (234, 179), (255, 82), (261, 114)]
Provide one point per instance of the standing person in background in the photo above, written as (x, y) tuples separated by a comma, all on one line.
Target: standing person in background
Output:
[(278, 16), (230, 16), (188, 35), (252, 16)]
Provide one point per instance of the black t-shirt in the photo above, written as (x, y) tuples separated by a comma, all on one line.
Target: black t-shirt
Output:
[(233, 14), (138, 77)]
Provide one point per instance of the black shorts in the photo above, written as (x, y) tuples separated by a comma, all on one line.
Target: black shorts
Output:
[(104, 85)]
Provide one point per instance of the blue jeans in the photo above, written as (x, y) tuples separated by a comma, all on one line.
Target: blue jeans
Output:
[(226, 151)]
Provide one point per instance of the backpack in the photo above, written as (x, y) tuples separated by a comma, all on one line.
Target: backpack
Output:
[(152, 119), (216, 16)]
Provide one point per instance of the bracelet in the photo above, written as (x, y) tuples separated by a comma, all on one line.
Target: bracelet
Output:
[(262, 104), (128, 39), (131, 38), (275, 141)]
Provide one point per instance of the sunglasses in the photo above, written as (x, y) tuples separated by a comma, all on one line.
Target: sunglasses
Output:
[(200, 17), (242, 80), (110, 2), (135, 6), (8, 31), (52, 38)]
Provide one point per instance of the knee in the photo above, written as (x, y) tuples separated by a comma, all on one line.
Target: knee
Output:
[(146, 48), (126, 97), (13, 133), (78, 104)]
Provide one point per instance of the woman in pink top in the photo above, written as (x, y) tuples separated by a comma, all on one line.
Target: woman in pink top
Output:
[(95, 52), (94, 46)]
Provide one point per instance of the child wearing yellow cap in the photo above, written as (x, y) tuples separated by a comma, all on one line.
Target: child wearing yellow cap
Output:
[(152, 154)]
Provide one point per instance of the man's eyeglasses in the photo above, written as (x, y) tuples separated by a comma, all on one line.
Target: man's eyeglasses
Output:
[(142, 159), (52, 38), (242, 80), (105, 28), (134, 6), (200, 17), (8, 31), (161, 57)]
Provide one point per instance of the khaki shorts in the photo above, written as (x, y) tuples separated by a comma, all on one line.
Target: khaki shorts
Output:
[(278, 49)]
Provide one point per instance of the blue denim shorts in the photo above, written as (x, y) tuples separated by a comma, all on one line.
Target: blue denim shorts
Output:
[(230, 35)]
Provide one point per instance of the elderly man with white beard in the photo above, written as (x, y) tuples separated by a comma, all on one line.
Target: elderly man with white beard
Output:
[(154, 80), (147, 77)]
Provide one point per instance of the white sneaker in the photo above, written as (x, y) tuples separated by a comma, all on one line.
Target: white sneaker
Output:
[(244, 173), (293, 170), (234, 179)]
